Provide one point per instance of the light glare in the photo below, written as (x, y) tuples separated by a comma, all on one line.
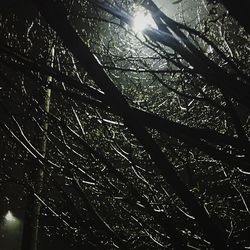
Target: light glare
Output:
[(9, 217), (142, 20)]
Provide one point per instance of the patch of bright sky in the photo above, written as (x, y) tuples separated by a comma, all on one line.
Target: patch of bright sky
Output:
[(167, 7), (183, 11)]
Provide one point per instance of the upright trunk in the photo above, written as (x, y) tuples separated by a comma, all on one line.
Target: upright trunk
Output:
[(36, 174)]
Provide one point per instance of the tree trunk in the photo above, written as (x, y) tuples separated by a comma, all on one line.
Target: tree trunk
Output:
[(33, 206)]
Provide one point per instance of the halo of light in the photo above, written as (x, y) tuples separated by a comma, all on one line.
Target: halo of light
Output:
[(142, 20), (10, 217)]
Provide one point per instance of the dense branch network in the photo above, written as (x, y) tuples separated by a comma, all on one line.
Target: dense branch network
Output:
[(136, 148)]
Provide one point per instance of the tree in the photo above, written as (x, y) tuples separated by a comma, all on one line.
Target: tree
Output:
[(129, 176)]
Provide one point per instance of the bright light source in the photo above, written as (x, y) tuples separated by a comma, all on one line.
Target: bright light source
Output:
[(142, 20), (10, 217)]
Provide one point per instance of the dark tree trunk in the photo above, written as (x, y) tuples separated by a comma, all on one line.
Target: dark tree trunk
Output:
[(33, 206)]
